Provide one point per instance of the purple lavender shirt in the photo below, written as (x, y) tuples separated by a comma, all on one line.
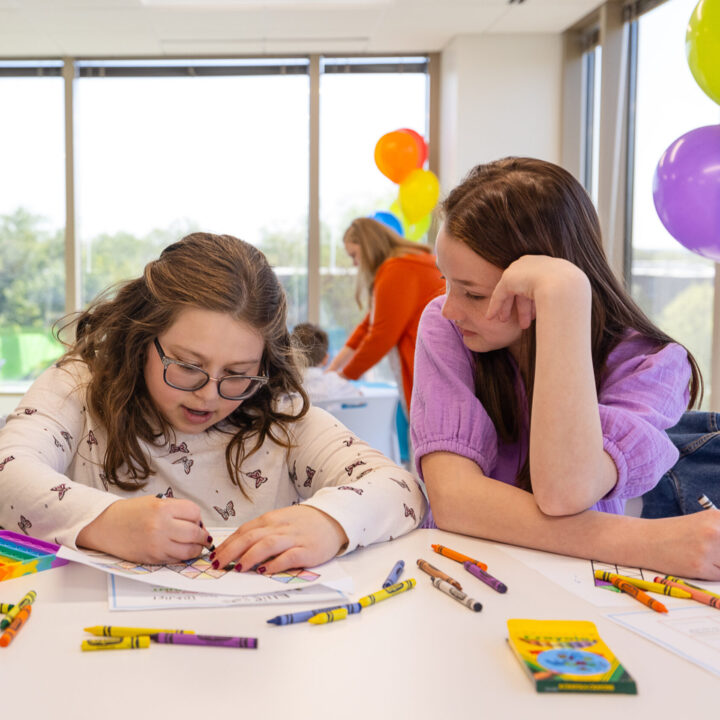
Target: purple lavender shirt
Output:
[(642, 393)]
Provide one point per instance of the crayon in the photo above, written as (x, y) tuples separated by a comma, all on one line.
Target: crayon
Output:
[(644, 584), (394, 574), (387, 592), (458, 557), (28, 599), (328, 617), (638, 594), (432, 571), (6, 607), (305, 615), (116, 631), (488, 579), (14, 628), (210, 640), (698, 595), (707, 503), (116, 643), (458, 595), (682, 582)]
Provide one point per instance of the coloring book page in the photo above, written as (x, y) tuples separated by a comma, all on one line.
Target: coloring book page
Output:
[(198, 574)]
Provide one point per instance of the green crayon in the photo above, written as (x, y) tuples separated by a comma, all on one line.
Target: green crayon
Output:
[(28, 599)]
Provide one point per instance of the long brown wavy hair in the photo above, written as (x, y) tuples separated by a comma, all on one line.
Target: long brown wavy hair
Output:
[(377, 242), (523, 206), (214, 272)]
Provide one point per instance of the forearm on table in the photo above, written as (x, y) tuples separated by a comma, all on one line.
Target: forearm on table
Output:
[(570, 471), (464, 500)]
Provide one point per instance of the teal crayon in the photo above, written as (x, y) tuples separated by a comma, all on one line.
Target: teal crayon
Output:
[(28, 599), (305, 615)]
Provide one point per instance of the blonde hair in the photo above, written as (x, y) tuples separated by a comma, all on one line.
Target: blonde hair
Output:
[(376, 242)]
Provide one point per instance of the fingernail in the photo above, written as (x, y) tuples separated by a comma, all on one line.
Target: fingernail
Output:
[(215, 564), (238, 567), (209, 538), (261, 569), (212, 555)]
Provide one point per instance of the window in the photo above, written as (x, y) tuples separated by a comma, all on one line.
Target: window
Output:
[(590, 141), (361, 100), (673, 285), (32, 217)]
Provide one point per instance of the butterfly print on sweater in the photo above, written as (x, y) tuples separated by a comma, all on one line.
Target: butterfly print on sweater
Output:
[(187, 463), (68, 438), (24, 524), (182, 447), (227, 512), (60, 489), (409, 512), (310, 473), (349, 469), (91, 439), (401, 483), (358, 491), (257, 476), (6, 461)]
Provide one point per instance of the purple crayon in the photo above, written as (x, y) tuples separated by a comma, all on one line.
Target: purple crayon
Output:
[(213, 640), (488, 579)]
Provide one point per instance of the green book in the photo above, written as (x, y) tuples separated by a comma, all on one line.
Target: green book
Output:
[(567, 656)]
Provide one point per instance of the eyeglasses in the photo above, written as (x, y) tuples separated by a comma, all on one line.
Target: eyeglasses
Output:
[(183, 376)]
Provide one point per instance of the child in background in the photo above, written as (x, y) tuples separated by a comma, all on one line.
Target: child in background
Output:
[(537, 372), (179, 406), (313, 344)]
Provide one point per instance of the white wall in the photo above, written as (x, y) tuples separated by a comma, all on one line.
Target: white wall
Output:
[(500, 95)]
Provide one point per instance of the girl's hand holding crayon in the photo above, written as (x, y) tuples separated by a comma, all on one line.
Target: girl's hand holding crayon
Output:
[(290, 537), (148, 529)]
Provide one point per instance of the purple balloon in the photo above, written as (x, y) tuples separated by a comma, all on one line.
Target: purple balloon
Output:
[(686, 190)]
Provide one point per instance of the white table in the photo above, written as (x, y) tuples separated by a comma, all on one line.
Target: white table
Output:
[(418, 655)]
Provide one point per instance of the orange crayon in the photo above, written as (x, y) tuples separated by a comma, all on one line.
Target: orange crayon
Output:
[(458, 557), (695, 594), (638, 594), (14, 628)]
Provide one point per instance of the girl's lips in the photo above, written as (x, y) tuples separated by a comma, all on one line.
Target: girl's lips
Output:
[(196, 416)]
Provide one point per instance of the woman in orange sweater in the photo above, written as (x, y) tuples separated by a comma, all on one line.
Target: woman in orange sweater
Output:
[(400, 277)]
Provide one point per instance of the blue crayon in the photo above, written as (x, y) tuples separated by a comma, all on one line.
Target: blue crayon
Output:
[(305, 615), (395, 574)]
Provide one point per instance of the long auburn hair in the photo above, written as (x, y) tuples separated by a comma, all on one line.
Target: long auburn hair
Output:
[(113, 335), (377, 242), (523, 206)]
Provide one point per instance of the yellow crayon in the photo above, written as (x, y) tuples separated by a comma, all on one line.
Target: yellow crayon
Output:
[(116, 643), (6, 607), (387, 592), (643, 584), (117, 631), (329, 616), (690, 585), (28, 599)]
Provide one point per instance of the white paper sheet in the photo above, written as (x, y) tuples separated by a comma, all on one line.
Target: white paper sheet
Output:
[(126, 594), (691, 631), (198, 575)]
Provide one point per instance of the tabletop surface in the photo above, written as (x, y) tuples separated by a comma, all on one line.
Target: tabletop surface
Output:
[(418, 655)]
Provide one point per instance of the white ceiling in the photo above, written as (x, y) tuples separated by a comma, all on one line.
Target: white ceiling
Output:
[(82, 28)]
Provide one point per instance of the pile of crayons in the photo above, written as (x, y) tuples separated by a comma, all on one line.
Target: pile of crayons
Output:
[(14, 617), (107, 637), (668, 585), (442, 581)]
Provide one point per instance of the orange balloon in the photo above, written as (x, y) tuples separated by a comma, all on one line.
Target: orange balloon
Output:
[(396, 155), (422, 145)]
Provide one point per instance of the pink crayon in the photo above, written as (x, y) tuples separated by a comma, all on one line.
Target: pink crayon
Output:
[(213, 640)]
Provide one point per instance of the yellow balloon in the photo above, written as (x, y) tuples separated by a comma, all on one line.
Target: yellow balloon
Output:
[(418, 193), (411, 231), (702, 46)]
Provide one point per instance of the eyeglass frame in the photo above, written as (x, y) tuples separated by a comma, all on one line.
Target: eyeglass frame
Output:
[(166, 361)]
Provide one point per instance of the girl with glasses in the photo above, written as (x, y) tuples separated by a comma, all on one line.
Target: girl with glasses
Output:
[(178, 407)]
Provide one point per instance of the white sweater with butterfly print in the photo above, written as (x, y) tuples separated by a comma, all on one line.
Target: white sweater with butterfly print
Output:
[(52, 482)]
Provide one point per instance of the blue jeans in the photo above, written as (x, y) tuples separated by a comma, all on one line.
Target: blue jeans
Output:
[(697, 471)]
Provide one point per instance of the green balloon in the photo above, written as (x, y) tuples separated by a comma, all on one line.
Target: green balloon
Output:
[(702, 46)]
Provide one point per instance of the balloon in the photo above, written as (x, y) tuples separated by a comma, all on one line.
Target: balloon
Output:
[(413, 231), (392, 221), (702, 46), (418, 194), (686, 190), (396, 154), (422, 145)]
